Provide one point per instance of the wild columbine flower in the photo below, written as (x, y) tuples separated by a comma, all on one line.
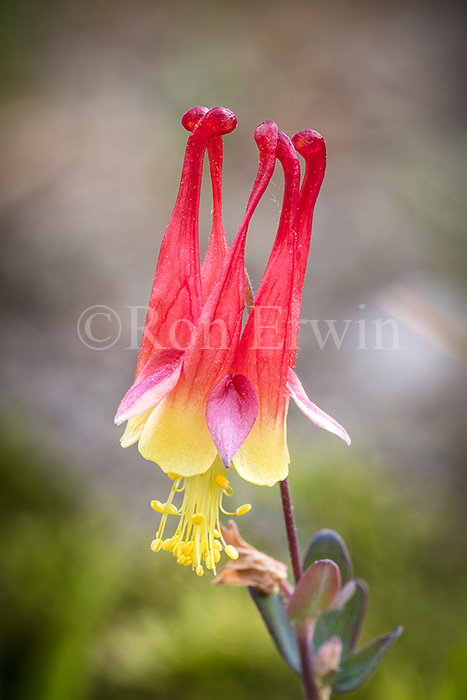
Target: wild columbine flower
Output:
[(207, 394)]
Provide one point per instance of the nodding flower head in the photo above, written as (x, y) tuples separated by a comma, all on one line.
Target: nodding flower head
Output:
[(209, 393)]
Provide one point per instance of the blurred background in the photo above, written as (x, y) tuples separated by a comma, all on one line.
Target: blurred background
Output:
[(91, 98)]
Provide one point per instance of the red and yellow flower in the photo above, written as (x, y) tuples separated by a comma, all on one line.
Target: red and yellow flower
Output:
[(209, 394)]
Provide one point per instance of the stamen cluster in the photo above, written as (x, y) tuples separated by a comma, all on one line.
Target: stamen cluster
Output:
[(198, 540)]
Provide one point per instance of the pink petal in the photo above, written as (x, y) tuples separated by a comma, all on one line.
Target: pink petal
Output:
[(311, 410), (157, 378), (231, 411)]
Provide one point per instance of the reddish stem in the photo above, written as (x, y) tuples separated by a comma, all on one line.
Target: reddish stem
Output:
[(303, 637), (308, 677), (291, 530)]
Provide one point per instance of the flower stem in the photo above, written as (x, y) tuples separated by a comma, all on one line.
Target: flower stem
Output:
[(309, 688), (303, 637), (291, 530)]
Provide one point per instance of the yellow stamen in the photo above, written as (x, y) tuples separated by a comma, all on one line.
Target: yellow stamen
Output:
[(173, 476), (231, 551), (222, 481), (158, 506), (156, 544), (164, 507), (197, 519), (197, 541), (241, 510)]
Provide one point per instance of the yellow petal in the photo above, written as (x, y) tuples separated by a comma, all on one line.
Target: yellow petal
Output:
[(134, 428), (263, 458), (176, 437)]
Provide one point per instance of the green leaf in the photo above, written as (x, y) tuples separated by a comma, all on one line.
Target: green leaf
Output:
[(345, 624), (328, 544), (317, 587), (278, 625), (357, 668)]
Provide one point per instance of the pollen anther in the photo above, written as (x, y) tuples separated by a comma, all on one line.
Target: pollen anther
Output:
[(164, 507), (158, 506), (245, 508), (231, 551), (197, 519), (222, 481)]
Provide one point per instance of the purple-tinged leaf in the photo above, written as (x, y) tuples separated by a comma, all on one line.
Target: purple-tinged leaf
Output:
[(328, 544), (345, 624), (357, 668), (316, 589), (157, 378), (231, 411)]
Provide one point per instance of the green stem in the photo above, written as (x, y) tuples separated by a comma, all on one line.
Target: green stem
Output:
[(303, 637)]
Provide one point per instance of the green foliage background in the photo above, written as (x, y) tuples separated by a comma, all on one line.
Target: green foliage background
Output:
[(89, 613)]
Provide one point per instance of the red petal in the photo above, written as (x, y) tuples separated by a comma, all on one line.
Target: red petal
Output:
[(267, 341), (214, 341), (311, 146), (218, 248), (209, 354), (176, 293)]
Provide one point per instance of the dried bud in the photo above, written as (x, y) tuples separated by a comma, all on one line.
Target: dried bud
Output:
[(252, 568)]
